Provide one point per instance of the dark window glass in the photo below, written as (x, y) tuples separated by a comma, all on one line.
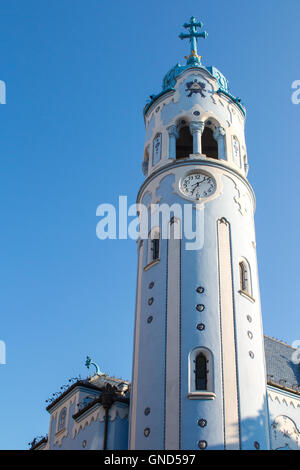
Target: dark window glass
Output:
[(184, 143), (201, 372), (209, 144), (155, 248)]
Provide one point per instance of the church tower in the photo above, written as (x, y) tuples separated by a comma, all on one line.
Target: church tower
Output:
[(199, 379)]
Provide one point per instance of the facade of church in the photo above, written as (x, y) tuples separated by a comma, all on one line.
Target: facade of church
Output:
[(204, 374)]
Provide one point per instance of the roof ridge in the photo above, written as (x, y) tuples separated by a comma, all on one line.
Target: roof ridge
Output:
[(279, 341)]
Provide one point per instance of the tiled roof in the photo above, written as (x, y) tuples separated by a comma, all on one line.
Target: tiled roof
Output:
[(281, 369)]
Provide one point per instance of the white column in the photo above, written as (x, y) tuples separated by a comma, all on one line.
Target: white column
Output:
[(228, 345), (137, 332), (173, 135), (172, 380), (219, 135), (196, 129)]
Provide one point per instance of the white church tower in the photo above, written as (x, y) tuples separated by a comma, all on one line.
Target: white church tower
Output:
[(199, 379)]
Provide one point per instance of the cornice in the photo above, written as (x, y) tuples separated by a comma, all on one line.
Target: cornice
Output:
[(78, 384), (194, 161)]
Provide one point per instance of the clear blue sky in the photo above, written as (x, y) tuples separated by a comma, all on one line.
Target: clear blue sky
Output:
[(78, 74)]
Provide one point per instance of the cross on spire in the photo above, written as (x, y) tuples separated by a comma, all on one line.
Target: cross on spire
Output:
[(193, 36)]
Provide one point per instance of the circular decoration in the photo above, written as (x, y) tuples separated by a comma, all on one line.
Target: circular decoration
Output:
[(250, 334), (198, 185), (251, 354), (146, 432), (84, 444), (200, 326), (256, 445), (202, 444), (196, 113), (202, 423), (157, 109), (249, 318), (200, 307), (150, 301), (149, 319), (200, 290), (147, 411), (151, 285)]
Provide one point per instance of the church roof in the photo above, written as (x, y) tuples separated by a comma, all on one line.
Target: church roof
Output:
[(283, 367)]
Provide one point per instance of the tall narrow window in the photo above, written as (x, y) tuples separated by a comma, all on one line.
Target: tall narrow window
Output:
[(209, 144), (245, 279), (184, 143), (155, 248), (201, 375), (200, 372), (153, 245), (145, 166), (156, 149), (62, 419)]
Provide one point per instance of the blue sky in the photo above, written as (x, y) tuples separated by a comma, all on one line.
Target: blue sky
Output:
[(78, 74)]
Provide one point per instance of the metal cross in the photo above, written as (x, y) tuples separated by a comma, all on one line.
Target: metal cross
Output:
[(193, 34)]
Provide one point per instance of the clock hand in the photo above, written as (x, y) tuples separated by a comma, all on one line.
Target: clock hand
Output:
[(197, 184)]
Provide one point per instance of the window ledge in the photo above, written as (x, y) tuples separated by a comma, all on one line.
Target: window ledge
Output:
[(153, 263), (201, 395), (60, 431), (246, 295)]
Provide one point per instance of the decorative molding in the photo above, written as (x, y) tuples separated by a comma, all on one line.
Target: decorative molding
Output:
[(285, 434), (196, 126), (62, 433), (239, 199), (98, 414), (283, 399), (201, 396), (173, 131), (219, 133), (220, 164), (150, 265), (246, 295)]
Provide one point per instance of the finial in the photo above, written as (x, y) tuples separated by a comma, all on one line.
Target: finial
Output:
[(193, 35), (89, 363)]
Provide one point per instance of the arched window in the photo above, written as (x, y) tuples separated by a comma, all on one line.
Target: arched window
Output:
[(201, 380), (156, 149), (245, 277), (154, 245), (184, 143), (209, 144), (62, 419)]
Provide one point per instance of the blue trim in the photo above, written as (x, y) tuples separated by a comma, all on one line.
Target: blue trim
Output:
[(155, 97), (234, 99)]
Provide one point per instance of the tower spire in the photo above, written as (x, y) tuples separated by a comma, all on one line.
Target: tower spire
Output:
[(193, 35)]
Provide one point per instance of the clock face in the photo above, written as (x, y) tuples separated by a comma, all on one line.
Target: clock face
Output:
[(198, 185)]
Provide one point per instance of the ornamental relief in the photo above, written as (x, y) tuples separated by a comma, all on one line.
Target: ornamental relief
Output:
[(285, 434), (241, 199)]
